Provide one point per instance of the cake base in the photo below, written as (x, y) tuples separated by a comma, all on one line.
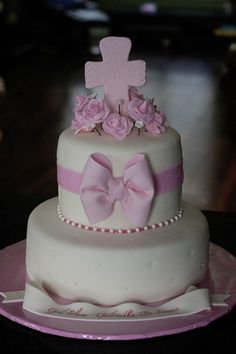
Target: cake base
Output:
[(108, 269), (220, 279)]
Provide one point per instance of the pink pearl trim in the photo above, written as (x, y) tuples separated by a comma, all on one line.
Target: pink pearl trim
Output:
[(120, 231)]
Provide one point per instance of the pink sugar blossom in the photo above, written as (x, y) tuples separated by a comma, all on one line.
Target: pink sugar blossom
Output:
[(80, 101), (88, 112), (141, 110), (117, 125), (158, 124), (95, 111), (78, 126)]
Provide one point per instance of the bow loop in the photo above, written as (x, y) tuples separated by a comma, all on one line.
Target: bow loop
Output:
[(99, 190)]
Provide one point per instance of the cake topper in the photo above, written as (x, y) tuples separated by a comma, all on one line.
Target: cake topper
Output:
[(123, 107), (116, 73)]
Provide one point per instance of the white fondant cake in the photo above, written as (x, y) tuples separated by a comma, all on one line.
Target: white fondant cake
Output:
[(119, 235)]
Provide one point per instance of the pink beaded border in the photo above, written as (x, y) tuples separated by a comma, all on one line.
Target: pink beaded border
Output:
[(120, 231)]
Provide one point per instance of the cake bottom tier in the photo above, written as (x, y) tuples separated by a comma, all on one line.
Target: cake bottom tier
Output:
[(109, 269)]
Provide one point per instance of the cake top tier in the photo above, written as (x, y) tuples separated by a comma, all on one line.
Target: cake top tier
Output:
[(123, 107)]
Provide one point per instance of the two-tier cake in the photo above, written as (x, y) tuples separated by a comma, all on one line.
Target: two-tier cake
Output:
[(119, 231)]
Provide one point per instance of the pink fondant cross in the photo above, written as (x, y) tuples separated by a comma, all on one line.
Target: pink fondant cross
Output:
[(115, 72)]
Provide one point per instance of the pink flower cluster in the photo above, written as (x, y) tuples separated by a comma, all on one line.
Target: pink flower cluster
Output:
[(90, 111)]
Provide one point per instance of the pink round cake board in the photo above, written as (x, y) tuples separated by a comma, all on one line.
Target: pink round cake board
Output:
[(221, 279)]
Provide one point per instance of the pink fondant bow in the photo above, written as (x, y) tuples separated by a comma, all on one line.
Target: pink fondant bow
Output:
[(99, 189)]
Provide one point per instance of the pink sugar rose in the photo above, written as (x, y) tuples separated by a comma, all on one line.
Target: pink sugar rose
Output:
[(158, 124), (80, 101), (79, 126), (88, 113), (134, 93), (141, 110), (117, 125), (94, 111)]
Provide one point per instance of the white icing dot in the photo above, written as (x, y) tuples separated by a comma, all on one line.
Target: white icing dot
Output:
[(139, 124), (161, 224), (79, 226), (111, 230), (73, 223), (129, 231), (120, 231), (103, 229), (86, 227), (145, 228), (63, 219), (137, 229), (153, 226), (172, 220), (166, 222), (176, 217), (94, 228)]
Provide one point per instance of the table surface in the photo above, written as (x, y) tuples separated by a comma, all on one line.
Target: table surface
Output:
[(14, 338)]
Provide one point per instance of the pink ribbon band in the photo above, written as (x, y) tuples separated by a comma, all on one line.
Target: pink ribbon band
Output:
[(164, 181)]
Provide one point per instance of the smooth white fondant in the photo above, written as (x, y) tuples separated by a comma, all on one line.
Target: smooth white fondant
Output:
[(163, 152), (110, 269)]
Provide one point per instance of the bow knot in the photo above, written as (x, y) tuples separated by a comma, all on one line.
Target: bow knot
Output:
[(116, 188), (99, 190)]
